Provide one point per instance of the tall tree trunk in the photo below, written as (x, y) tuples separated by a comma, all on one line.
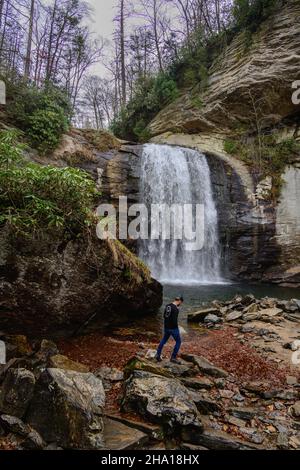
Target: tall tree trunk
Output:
[(122, 46), (29, 43)]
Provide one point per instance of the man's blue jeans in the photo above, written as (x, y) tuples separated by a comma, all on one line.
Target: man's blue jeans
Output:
[(175, 333)]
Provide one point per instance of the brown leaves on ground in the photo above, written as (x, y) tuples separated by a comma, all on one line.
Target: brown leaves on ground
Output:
[(220, 347)]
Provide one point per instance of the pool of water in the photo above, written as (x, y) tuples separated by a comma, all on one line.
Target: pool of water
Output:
[(198, 296)]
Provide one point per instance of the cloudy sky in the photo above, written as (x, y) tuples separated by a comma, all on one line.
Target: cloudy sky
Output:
[(102, 19)]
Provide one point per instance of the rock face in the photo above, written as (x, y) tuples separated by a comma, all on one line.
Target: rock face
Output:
[(17, 391), (67, 408), (50, 289), (160, 399), (268, 67)]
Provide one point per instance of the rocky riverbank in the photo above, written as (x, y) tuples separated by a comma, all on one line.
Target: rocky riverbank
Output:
[(233, 389)]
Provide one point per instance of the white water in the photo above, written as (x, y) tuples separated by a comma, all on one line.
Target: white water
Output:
[(175, 175)]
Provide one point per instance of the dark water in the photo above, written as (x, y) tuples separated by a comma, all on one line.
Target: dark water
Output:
[(199, 296)]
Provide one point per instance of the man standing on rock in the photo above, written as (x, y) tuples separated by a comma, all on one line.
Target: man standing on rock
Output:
[(171, 329)]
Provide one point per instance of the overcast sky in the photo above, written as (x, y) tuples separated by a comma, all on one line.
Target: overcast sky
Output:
[(102, 19)]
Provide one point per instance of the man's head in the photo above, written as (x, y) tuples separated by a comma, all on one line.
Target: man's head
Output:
[(178, 301)]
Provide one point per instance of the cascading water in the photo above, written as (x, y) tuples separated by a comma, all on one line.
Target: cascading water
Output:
[(174, 175)]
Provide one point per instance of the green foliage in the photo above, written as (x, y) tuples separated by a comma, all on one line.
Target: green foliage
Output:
[(265, 155), (34, 198), (11, 150), (43, 114), (249, 14), (151, 95), (231, 146)]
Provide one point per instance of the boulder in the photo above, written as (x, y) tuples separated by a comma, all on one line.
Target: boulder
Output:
[(51, 288), (164, 368), (67, 408), (16, 392), (248, 317), (204, 404), (216, 440), (198, 383), (233, 316), (252, 308), (118, 436), (63, 362), (110, 374), (200, 315), (205, 366), (211, 318), (160, 399), (244, 413), (31, 440)]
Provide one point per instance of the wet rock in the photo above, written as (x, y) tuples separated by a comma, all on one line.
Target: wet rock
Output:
[(47, 349), (154, 431), (226, 394), (205, 366), (252, 435), (62, 362), (164, 368), (200, 315), (247, 299), (184, 369), (67, 408), (206, 405), (233, 316), (295, 409), (294, 442), (17, 346), (15, 425), (252, 316), (202, 383), (235, 421), (217, 440), (292, 346), (252, 308), (16, 392), (32, 440), (211, 318), (118, 436), (288, 306), (110, 374), (160, 399), (247, 329), (244, 413)]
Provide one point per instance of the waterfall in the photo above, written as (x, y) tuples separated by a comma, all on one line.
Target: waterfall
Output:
[(175, 175)]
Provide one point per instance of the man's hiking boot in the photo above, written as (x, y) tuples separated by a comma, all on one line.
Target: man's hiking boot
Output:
[(158, 359)]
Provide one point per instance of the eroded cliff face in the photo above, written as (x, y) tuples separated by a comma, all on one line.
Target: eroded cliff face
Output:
[(260, 238), (266, 68)]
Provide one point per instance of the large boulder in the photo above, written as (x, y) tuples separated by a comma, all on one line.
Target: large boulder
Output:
[(161, 399), (67, 408), (205, 366), (16, 392), (51, 288)]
